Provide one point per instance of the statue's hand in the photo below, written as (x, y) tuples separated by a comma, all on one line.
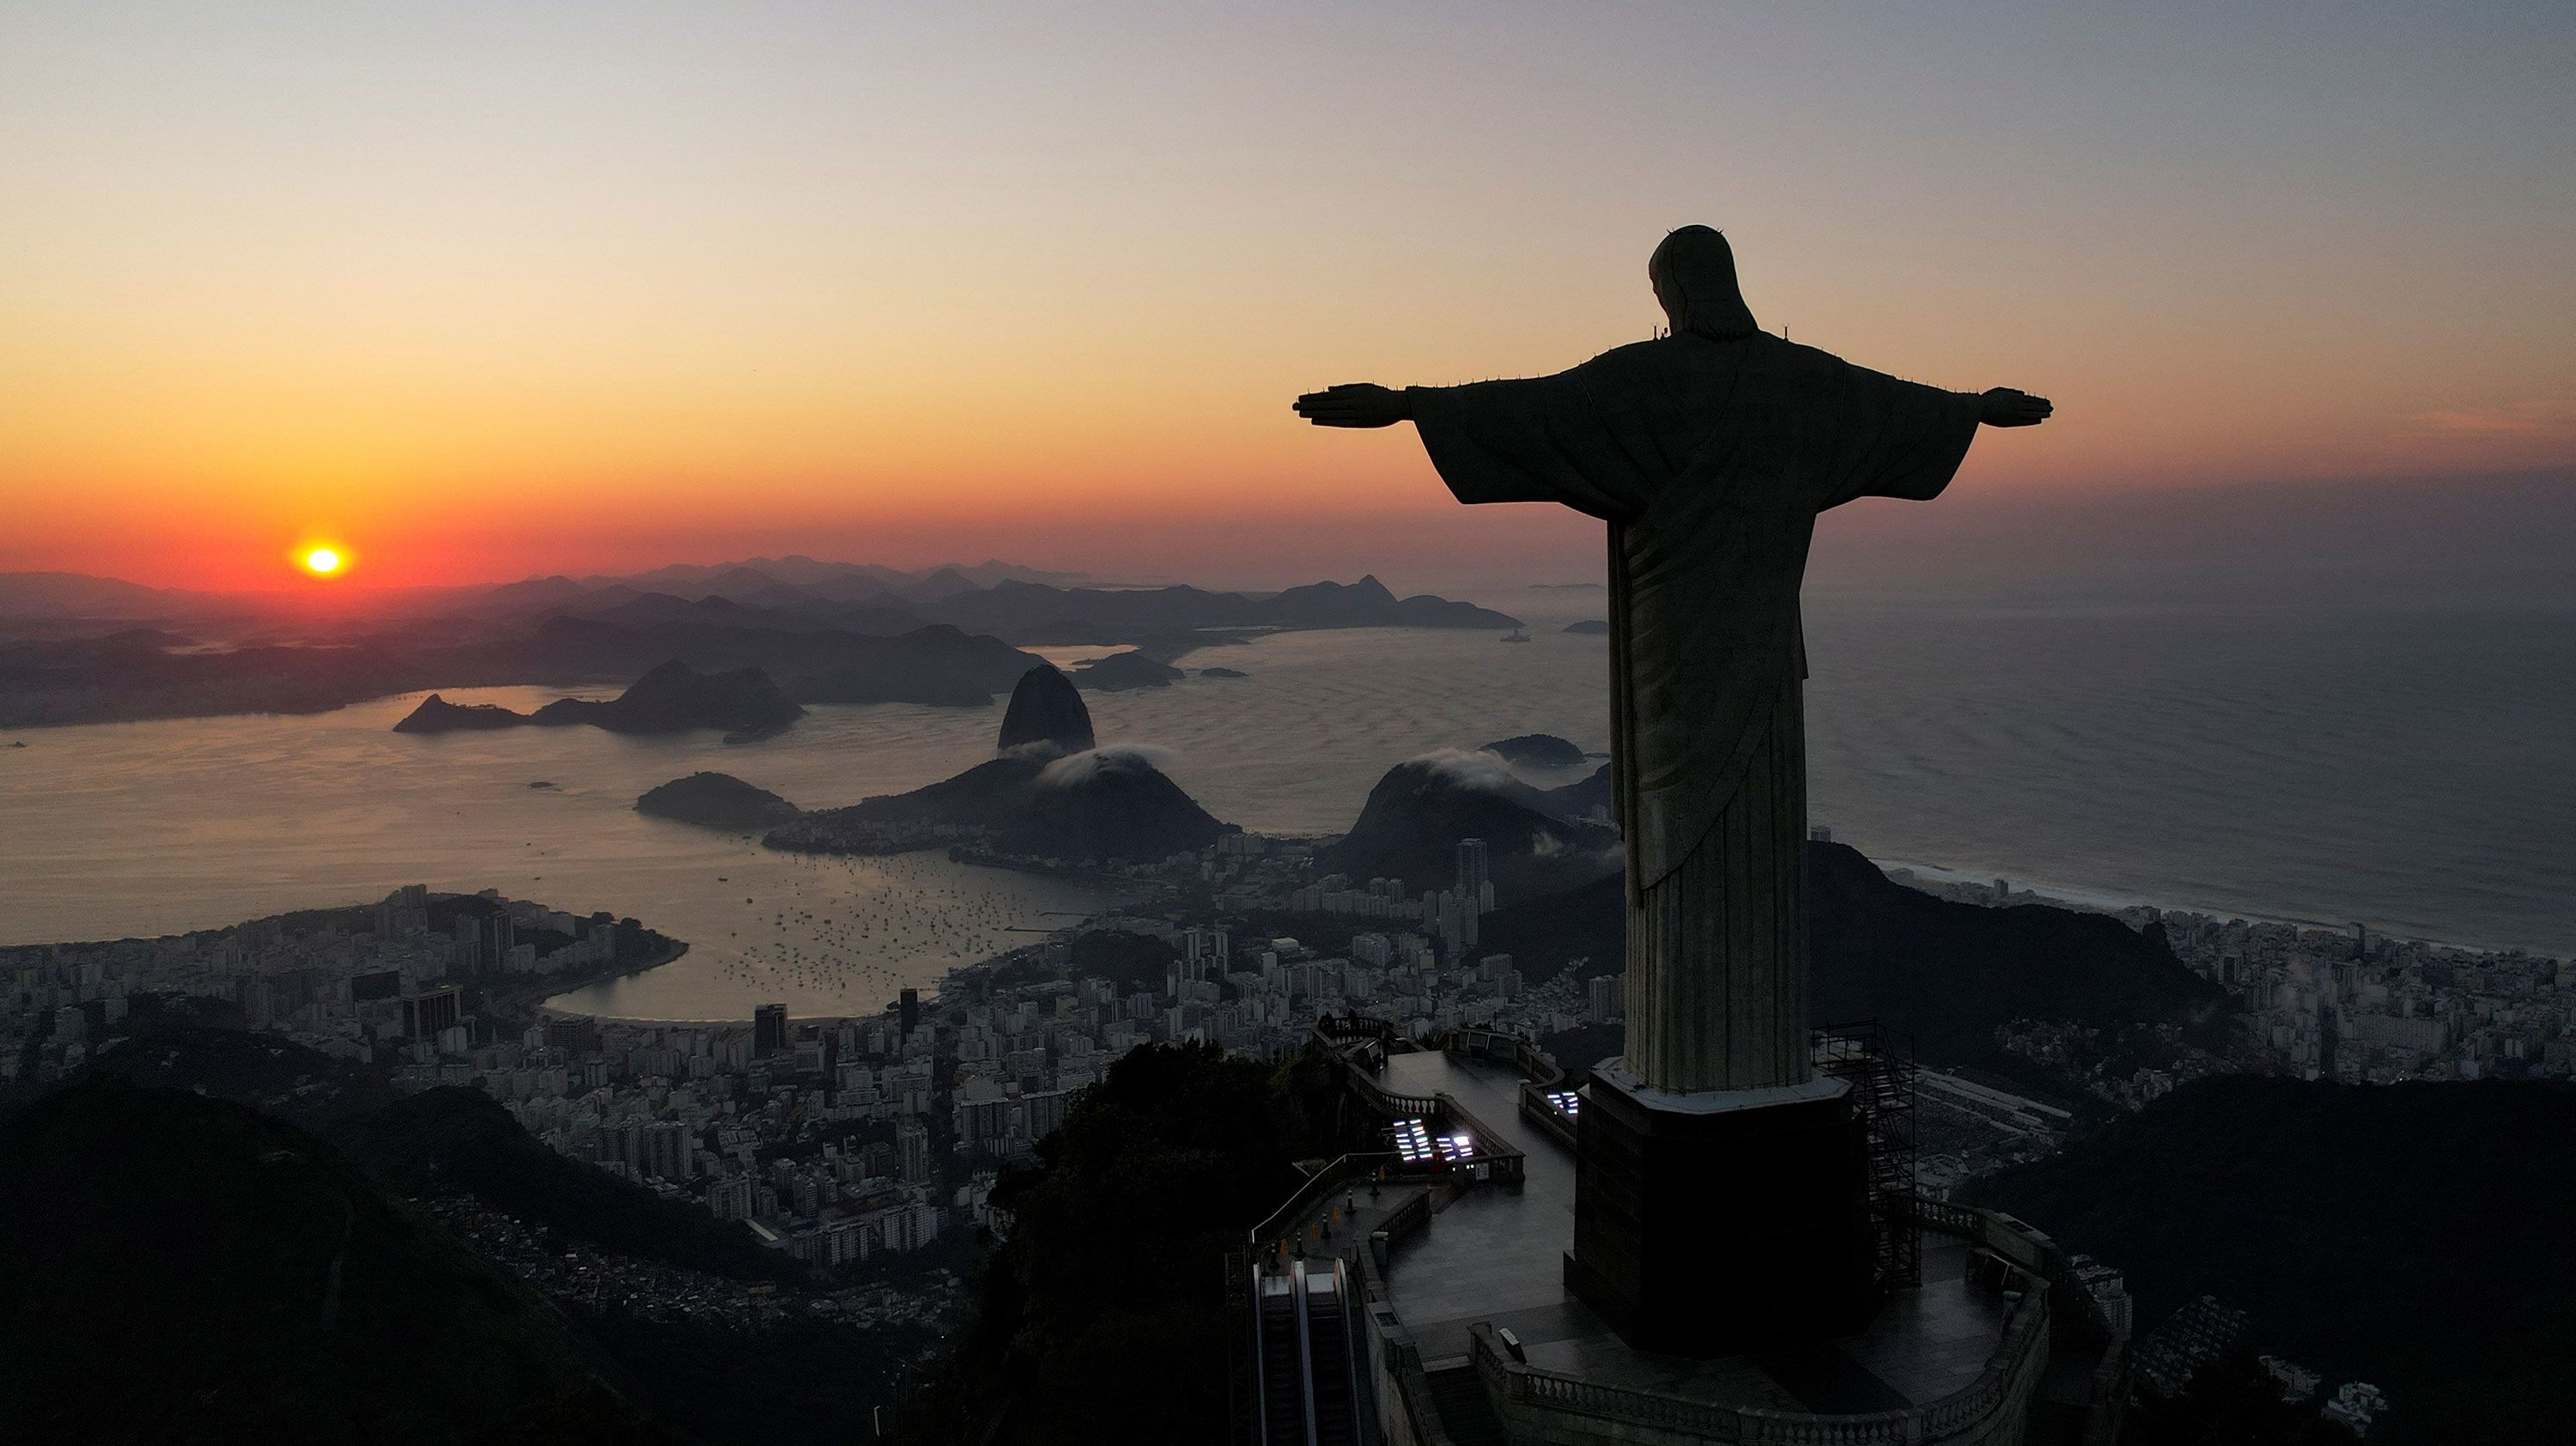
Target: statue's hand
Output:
[(2006, 407), (1355, 404)]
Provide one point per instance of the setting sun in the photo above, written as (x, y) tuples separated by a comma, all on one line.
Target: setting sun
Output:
[(322, 561)]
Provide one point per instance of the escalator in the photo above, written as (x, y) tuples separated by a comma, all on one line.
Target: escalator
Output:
[(1283, 1374), (1331, 1382), (1306, 1342)]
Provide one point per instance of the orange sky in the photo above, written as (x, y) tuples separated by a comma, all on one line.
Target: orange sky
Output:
[(481, 292)]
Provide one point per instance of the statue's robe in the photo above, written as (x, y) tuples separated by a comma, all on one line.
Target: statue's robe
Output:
[(1709, 459)]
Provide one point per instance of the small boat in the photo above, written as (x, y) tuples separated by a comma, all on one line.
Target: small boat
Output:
[(1516, 635)]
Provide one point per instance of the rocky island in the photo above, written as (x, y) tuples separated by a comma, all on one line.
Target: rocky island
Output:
[(1121, 671), (716, 800), (1537, 750), (436, 715), (673, 698)]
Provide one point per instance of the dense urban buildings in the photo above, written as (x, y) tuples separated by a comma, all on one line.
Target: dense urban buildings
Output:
[(841, 1142)]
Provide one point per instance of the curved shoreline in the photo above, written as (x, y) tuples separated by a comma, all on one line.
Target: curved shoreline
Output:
[(2075, 897)]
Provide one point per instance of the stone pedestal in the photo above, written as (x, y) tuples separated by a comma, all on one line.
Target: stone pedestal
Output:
[(1724, 1221)]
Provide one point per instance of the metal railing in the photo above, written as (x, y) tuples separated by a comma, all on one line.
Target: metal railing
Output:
[(2008, 1381), (1543, 1114), (1347, 1170), (1507, 1047), (2078, 1327), (1406, 1218)]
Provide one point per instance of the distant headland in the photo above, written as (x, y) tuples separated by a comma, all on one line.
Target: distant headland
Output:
[(673, 698), (77, 649), (1049, 793)]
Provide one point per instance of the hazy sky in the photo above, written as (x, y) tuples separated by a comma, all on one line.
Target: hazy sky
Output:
[(486, 289)]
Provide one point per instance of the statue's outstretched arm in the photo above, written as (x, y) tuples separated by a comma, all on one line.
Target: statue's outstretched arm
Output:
[(2008, 407), (1356, 404)]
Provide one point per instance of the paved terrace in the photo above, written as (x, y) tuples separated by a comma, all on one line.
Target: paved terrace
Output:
[(1498, 1256)]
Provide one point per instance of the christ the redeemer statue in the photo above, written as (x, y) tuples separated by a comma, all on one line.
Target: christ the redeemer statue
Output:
[(1709, 452)]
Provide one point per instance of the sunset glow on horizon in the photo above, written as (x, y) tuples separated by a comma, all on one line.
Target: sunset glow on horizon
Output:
[(592, 289)]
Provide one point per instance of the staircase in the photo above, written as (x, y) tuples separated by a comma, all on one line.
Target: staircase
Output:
[(1465, 1412)]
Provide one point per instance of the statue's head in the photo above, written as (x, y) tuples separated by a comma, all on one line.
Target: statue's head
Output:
[(1694, 277)]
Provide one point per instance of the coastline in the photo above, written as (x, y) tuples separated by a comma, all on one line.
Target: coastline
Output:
[(531, 999), (2043, 891), (2033, 891)]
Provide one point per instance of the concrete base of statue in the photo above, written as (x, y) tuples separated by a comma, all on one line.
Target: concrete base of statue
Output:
[(1721, 1222)]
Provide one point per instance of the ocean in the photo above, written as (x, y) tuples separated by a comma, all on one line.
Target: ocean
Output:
[(2408, 769)]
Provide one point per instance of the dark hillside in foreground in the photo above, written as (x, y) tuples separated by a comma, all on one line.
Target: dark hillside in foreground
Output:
[(1102, 1318), (458, 1139), (441, 1141), (268, 1072), (2414, 1235), (1947, 973), (181, 1268)]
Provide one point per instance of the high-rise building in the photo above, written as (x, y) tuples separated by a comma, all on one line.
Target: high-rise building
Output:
[(430, 1011), (914, 1141), (1605, 997), (1475, 870), (908, 1011), (768, 1030), (1209, 953)]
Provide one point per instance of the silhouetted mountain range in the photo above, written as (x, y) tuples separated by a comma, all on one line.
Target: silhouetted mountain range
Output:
[(1038, 613), (938, 665), (829, 633)]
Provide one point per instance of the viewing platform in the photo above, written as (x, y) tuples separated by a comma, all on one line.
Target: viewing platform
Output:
[(1469, 1335)]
